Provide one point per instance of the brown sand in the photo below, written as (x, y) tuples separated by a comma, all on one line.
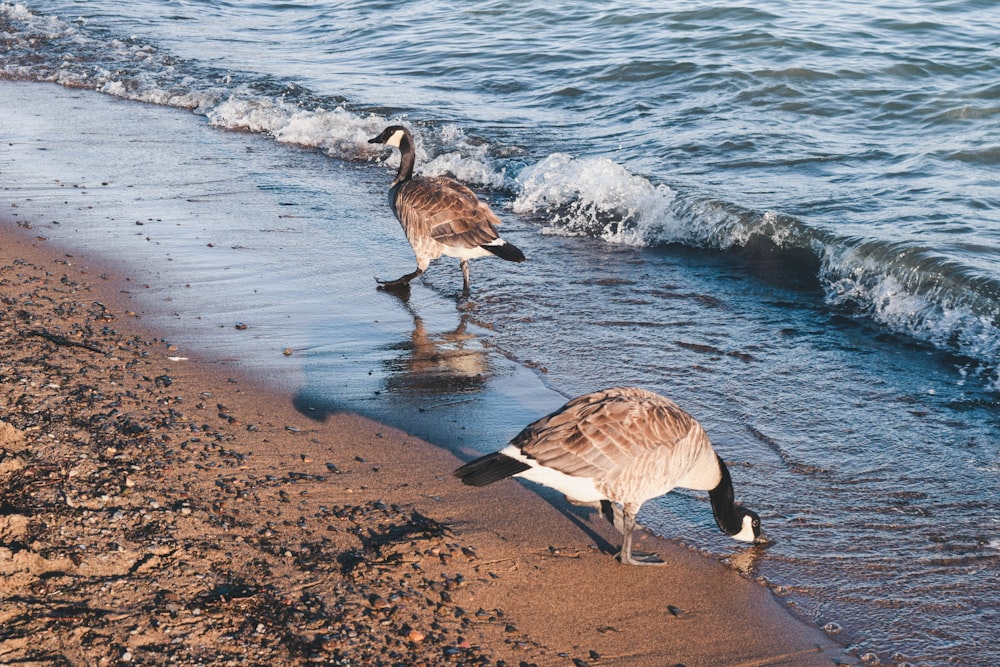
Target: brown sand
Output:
[(167, 512)]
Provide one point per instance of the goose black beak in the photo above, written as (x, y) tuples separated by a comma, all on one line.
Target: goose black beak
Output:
[(762, 539)]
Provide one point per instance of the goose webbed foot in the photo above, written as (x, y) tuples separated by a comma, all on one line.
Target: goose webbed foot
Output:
[(393, 285), (401, 283), (628, 555), (641, 558)]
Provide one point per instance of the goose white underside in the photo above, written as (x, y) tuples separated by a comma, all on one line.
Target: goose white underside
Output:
[(580, 490), (465, 253)]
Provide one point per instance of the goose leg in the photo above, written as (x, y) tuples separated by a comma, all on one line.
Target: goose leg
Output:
[(402, 281), (465, 277), (626, 555)]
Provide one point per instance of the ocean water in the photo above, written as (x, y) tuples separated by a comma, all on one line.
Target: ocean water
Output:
[(787, 218)]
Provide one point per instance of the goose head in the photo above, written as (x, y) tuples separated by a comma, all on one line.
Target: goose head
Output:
[(750, 530), (394, 135)]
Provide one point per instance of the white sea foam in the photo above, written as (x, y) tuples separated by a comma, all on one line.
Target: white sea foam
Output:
[(252, 115), (344, 134), (16, 11), (121, 67), (33, 27), (468, 169), (916, 299), (338, 132), (596, 197), (152, 94), (600, 198), (466, 159)]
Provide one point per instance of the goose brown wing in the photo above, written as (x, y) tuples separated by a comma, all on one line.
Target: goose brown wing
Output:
[(447, 211), (597, 435)]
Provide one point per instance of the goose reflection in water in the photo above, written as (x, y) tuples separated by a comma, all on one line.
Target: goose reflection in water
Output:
[(438, 363), (746, 559)]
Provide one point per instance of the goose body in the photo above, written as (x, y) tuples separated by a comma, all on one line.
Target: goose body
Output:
[(439, 215), (618, 448)]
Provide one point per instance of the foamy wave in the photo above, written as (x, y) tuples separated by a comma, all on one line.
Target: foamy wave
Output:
[(344, 134), (714, 224), (16, 11), (910, 291), (595, 197), (338, 132), (152, 94), (467, 168), (599, 198), (46, 48)]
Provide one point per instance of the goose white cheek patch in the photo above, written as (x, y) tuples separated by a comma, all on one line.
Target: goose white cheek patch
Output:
[(395, 139)]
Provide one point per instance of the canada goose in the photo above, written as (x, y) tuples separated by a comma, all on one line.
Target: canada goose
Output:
[(619, 446), (439, 215)]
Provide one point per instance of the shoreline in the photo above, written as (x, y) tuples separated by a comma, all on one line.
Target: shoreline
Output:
[(159, 510)]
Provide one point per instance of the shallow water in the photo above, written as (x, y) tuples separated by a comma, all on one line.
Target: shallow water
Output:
[(790, 230)]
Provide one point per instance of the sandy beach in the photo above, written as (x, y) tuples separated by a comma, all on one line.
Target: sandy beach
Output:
[(220, 443), (159, 509)]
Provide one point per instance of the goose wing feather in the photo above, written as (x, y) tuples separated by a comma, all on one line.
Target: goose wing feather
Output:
[(447, 211), (599, 435)]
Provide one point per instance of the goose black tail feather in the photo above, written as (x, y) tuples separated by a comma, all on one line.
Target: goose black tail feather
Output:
[(505, 250), (489, 469)]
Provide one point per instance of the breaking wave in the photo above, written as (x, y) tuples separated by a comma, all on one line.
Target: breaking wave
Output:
[(907, 288)]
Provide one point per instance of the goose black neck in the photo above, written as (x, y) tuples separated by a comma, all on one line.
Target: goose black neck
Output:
[(724, 503), (407, 158)]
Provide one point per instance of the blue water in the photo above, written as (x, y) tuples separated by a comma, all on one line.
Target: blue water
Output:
[(785, 218)]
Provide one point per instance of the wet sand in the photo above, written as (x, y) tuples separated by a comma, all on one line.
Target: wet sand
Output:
[(160, 508)]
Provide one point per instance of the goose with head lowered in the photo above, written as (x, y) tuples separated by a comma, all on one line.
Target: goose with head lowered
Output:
[(439, 215), (616, 449)]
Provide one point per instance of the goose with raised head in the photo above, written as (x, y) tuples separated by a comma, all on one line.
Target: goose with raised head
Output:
[(616, 449), (439, 215)]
